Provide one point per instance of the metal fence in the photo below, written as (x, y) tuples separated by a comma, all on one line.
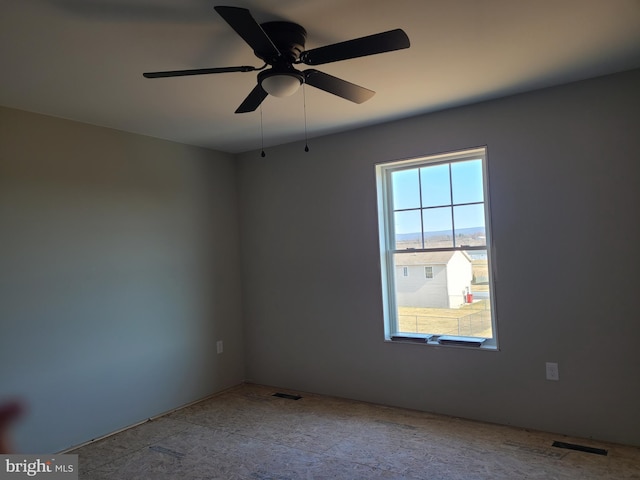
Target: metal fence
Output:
[(476, 324)]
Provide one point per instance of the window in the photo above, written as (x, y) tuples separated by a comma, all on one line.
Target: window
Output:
[(434, 213), (405, 271)]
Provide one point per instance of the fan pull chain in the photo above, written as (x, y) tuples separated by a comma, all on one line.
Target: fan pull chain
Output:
[(262, 154), (304, 103)]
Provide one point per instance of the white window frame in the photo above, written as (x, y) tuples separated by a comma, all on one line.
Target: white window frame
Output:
[(428, 272), (387, 241)]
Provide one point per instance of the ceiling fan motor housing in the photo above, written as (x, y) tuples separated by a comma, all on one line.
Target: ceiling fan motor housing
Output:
[(289, 38)]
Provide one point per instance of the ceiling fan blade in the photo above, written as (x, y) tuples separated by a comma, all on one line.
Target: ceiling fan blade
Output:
[(253, 100), (337, 86), (198, 71), (358, 47), (244, 24)]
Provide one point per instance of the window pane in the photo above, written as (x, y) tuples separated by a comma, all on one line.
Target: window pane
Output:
[(438, 231), (469, 225), (406, 189), (466, 179), (408, 230), (454, 301), (435, 183)]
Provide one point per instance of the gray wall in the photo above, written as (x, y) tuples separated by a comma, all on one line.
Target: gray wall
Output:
[(564, 173), (118, 273)]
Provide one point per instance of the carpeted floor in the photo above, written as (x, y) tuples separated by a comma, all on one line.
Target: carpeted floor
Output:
[(247, 433)]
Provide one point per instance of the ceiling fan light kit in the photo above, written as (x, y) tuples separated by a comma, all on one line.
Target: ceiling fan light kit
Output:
[(281, 46), (280, 84)]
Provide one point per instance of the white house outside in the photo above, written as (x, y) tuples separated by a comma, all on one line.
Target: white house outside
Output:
[(433, 279)]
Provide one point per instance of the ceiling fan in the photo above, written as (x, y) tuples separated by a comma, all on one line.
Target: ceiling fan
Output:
[(281, 46)]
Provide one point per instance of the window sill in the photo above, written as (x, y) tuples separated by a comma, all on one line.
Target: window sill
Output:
[(444, 341)]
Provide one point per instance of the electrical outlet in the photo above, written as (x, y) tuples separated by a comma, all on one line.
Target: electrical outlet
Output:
[(552, 371), (219, 346)]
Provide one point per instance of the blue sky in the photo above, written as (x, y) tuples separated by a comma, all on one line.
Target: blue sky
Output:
[(466, 183)]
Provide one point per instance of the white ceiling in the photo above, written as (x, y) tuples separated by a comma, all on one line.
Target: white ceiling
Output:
[(83, 60)]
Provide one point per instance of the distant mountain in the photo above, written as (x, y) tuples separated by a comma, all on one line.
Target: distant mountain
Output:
[(407, 237)]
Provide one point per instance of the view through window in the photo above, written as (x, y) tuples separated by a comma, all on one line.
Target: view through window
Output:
[(434, 243)]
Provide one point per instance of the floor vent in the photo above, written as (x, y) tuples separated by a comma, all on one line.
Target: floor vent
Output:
[(580, 448), (287, 396)]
